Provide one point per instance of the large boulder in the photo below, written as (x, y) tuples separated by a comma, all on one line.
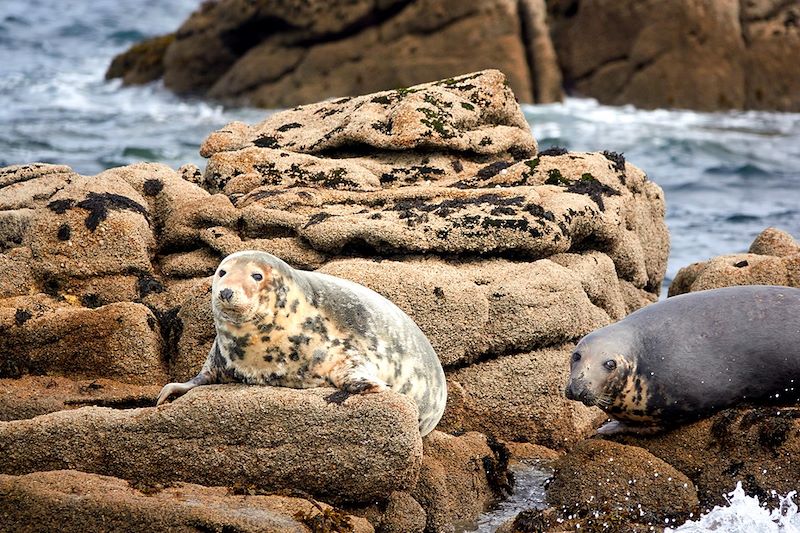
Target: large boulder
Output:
[(610, 487), (71, 501), (266, 438), (120, 341), (601, 481), (280, 54), (519, 398), (687, 53)]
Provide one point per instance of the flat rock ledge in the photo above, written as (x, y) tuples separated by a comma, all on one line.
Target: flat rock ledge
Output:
[(261, 437), (40, 502)]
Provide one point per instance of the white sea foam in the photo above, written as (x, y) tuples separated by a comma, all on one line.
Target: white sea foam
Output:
[(745, 514)]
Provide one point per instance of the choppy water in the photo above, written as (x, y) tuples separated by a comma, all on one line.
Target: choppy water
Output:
[(745, 514), (726, 176)]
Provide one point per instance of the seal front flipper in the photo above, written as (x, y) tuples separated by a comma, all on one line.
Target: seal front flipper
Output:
[(214, 371), (615, 427), (356, 377)]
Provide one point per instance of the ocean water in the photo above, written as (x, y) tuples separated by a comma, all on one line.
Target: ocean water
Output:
[(726, 176)]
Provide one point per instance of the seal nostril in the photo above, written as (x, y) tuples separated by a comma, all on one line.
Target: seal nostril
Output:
[(226, 294)]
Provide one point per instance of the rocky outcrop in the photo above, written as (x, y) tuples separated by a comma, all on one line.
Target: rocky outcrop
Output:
[(267, 438), (41, 502), (697, 54), (756, 446), (30, 396), (773, 259), (692, 54), (435, 196), (460, 477), (283, 54)]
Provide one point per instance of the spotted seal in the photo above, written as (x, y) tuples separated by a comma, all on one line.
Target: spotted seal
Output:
[(280, 326), (690, 355)]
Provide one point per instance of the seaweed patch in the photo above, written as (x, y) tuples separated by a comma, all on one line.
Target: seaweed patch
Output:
[(152, 187), (553, 151), (99, 204)]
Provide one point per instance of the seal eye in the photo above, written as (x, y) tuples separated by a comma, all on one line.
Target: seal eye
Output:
[(222, 273), (610, 364), (258, 277), (576, 357)]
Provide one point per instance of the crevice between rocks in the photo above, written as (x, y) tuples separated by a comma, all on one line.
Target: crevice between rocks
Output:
[(526, 34)]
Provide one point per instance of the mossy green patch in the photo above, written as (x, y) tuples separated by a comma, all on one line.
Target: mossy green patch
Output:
[(532, 163), (554, 177)]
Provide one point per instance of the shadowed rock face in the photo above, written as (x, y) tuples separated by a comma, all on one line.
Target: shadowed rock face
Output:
[(689, 53), (280, 54)]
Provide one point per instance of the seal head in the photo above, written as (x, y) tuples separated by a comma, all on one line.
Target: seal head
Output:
[(600, 369)]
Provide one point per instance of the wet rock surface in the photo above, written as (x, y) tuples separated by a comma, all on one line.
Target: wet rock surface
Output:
[(753, 445), (435, 197), (601, 481)]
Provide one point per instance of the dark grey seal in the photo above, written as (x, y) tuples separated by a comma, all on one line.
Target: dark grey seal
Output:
[(691, 355)]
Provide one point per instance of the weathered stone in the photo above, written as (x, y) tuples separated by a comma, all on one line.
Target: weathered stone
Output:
[(519, 397), (774, 259), (605, 482), (688, 53), (17, 276), (143, 62), (268, 438), (460, 477), (448, 114), (773, 241), (31, 396), (71, 501), (757, 446), (480, 308), (283, 54), (402, 515), (81, 227), (192, 333), (119, 341), (771, 32), (542, 58)]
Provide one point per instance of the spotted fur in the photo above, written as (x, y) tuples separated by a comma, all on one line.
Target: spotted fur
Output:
[(291, 328)]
